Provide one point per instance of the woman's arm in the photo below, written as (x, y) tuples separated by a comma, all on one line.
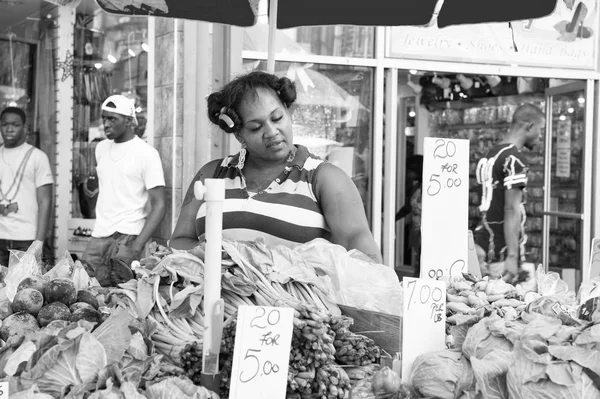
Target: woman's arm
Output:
[(344, 211), (184, 235)]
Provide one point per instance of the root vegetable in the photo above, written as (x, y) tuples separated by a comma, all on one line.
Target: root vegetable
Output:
[(81, 305), (28, 300), (88, 297), (61, 290), (508, 302), (18, 324), (476, 302), (457, 298), (87, 314), (36, 282), (53, 311), (460, 308)]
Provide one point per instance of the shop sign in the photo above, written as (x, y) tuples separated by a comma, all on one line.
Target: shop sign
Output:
[(263, 340), (423, 320), (567, 38), (563, 148), (445, 214)]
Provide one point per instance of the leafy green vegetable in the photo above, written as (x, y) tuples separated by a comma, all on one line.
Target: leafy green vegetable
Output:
[(91, 358), (56, 371), (178, 387), (114, 335), (444, 375)]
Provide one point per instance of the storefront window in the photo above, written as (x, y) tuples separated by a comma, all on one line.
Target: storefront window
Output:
[(16, 77), (110, 53), (338, 40), (333, 115), (334, 40)]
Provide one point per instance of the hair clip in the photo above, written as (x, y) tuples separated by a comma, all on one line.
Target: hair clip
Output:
[(225, 118)]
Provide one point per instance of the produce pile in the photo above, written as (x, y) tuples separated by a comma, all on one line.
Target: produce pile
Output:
[(170, 287), (506, 343), (64, 336)]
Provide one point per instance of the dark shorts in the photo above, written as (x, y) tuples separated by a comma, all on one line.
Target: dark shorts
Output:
[(100, 250), (491, 239), (7, 245)]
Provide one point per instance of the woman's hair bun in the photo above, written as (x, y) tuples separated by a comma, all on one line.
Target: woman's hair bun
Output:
[(286, 91), (224, 117)]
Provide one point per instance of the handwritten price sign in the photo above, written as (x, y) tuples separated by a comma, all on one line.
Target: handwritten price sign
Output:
[(444, 220), (261, 354), (424, 320)]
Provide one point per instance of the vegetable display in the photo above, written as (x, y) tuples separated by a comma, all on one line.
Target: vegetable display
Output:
[(321, 340), (508, 343)]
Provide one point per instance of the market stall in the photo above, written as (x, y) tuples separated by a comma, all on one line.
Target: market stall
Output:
[(66, 336)]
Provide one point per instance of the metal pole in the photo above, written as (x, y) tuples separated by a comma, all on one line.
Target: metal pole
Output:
[(272, 35)]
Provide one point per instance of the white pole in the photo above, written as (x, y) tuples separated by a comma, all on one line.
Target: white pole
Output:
[(214, 195), (272, 36)]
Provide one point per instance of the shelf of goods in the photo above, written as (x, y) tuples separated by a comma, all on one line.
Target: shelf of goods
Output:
[(484, 123), (65, 336)]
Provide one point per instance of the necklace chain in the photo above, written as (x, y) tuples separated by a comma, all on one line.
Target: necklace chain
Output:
[(18, 177)]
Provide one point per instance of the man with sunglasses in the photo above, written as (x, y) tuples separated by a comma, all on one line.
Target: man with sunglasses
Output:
[(25, 189)]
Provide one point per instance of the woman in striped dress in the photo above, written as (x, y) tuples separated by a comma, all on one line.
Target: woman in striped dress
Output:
[(274, 190)]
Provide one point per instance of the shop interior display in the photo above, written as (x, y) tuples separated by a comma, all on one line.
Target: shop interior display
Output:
[(17, 75), (110, 57), (482, 115)]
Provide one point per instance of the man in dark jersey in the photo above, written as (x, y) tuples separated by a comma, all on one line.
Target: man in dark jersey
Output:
[(503, 177)]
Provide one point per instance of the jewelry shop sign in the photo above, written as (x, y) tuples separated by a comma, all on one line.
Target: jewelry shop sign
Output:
[(567, 38)]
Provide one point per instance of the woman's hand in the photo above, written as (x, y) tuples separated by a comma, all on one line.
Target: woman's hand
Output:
[(344, 211)]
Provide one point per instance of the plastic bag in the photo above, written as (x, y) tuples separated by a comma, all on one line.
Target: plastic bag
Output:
[(63, 268), (358, 281), (5, 305), (550, 284), (589, 289), (384, 384), (20, 265)]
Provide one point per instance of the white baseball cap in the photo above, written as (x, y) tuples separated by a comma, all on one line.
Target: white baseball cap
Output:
[(120, 105)]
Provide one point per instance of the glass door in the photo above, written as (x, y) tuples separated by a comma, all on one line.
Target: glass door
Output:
[(565, 241)]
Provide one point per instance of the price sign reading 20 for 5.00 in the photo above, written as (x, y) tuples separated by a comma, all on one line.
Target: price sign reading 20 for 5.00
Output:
[(261, 354), (445, 200)]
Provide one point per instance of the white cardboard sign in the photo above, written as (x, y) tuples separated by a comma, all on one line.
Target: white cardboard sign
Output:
[(261, 353), (424, 320), (445, 214), (474, 267), (595, 259)]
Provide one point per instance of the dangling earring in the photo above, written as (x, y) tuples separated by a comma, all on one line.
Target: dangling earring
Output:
[(242, 158)]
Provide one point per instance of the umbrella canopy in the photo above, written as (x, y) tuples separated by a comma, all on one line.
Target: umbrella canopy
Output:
[(406, 12), (232, 12), (294, 13), (457, 12)]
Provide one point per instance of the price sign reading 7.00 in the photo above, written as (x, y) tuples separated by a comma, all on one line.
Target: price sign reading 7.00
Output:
[(445, 201), (423, 321), (261, 354)]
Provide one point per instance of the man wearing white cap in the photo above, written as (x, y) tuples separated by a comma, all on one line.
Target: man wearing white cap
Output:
[(131, 199)]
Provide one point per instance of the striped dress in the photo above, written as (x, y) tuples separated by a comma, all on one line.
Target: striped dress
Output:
[(286, 213)]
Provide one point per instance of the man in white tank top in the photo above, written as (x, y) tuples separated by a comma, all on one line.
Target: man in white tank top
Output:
[(131, 199)]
